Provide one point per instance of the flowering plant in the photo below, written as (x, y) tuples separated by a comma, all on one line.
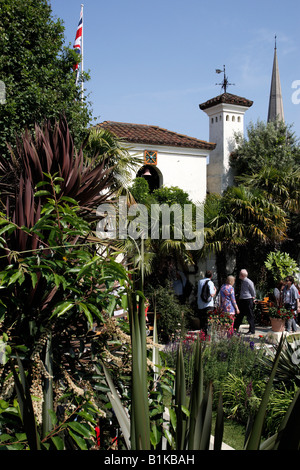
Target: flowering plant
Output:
[(281, 313), (218, 317)]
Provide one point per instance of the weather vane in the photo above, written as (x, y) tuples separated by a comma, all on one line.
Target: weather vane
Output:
[(225, 82)]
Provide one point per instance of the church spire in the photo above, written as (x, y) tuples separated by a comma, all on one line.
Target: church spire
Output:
[(275, 102)]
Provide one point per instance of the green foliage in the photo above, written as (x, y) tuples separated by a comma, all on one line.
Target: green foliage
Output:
[(224, 355), (239, 372), (241, 396), (173, 317), (240, 217), (267, 144), (56, 291), (182, 426), (288, 370), (171, 195), (189, 426), (280, 264), (163, 195), (37, 70), (104, 145), (241, 400), (140, 191), (72, 430), (280, 399)]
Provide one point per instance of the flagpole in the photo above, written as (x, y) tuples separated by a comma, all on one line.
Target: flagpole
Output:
[(82, 95)]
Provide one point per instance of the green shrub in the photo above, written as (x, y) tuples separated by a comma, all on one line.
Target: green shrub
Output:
[(233, 355), (280, 265), (280, 400), (241, 396), (172, 317), (288, 370)]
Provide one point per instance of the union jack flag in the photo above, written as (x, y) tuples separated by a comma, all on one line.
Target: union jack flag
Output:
[(78, 42)]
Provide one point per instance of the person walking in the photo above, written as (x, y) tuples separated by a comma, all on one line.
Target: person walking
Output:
[(278, 293), (246, 302), (205, 299), (291, 301), (227, 298)]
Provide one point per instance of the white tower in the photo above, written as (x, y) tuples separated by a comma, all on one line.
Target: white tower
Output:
[(226, 118)]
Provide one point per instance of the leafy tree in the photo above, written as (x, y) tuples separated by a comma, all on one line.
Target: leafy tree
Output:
[(269, 162), (267, 144), (37, 70)]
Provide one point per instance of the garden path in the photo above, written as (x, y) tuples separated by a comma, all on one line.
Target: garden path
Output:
[(264, 332)]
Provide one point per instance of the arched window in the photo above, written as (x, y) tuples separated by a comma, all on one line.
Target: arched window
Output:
[(151, 175), (227, 117), (233, 118)]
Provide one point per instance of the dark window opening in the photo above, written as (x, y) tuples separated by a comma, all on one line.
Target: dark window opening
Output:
[(151, 176)]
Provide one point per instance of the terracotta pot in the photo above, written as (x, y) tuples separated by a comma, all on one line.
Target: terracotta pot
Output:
[(278, 325)]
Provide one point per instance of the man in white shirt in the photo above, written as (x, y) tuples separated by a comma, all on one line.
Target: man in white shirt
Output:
[(205, 305), (246, 302)]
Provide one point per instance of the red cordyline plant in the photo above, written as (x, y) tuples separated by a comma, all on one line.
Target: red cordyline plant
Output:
[(48, 156), (49, 150), (53, 281)]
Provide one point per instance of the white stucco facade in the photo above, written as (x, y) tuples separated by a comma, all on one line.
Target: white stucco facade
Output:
[(225, 121), (182, 167)]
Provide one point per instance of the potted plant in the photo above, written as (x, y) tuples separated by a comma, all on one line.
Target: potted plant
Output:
[(279, 316)]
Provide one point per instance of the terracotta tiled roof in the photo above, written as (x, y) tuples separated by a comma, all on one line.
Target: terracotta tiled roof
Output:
[(153, 135), (227, 98)]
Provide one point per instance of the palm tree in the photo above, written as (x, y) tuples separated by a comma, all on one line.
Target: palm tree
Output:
[(238, 221), (103, 144), (278, 185), (281, 186)]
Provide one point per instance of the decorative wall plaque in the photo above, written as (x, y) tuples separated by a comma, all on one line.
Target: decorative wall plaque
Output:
[(150, 157)]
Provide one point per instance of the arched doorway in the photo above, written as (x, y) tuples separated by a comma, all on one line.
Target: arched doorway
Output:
[(151, 175)]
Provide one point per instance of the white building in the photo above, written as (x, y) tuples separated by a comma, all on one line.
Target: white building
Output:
[(194, 165), (169, 158)]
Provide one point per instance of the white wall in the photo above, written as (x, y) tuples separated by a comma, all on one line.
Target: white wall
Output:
[(182, 167), (225, 120)]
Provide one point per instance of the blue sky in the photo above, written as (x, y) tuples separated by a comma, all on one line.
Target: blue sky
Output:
[(154, 62)]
